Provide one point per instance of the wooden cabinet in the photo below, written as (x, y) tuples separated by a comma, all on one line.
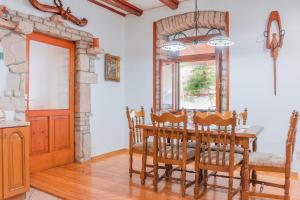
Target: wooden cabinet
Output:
[(14, 161)]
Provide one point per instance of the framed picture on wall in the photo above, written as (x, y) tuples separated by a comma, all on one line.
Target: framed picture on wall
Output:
[(112, 68)]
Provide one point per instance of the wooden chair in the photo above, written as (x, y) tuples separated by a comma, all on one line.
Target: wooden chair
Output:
[(136, 117), (269, 162), (218, 160), (170, 146)]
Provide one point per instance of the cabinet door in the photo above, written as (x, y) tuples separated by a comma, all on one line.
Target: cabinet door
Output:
[(15, 161)]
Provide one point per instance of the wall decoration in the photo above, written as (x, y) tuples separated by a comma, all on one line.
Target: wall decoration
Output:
[(112, 68), (58, 9), (273, 43)]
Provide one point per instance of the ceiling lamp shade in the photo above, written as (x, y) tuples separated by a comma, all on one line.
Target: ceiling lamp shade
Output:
[(173, 46), (220, 41)]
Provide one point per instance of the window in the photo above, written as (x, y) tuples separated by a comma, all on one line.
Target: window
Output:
[(197, 85), (190, 82)]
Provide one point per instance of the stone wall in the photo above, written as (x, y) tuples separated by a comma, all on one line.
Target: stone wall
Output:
[(14, 45)]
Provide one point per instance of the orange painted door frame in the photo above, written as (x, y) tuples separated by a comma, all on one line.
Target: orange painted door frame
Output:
[(51, 130)]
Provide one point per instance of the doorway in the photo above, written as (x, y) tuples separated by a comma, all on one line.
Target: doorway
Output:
[(50, 101)]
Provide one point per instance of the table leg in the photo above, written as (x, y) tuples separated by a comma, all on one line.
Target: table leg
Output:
[(144, 159), (254, 174), (245, 168)]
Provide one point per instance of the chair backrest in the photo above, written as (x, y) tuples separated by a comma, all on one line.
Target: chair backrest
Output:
[(135, 117), (214, 129), (291, 137), (242, 118), (170, 141)]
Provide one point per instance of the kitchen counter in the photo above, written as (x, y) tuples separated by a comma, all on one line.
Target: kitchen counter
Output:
[(10, 124)]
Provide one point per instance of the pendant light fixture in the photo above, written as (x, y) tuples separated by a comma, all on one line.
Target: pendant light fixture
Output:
[(220, 40)]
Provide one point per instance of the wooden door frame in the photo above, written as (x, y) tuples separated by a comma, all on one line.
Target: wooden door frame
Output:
[(40, 37)]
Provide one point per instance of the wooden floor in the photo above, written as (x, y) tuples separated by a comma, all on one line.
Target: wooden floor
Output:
[(108, 179)]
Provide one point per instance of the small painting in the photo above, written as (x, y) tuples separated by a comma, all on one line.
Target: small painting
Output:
[(112, 68)]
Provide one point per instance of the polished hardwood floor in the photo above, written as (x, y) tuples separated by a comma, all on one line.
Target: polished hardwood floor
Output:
[(107, 178)]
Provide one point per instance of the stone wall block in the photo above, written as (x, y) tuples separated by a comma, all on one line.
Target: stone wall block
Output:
[(82, 62), (87, 77), (23, 15), (23, 84), (49, 23), (13, 81), (61, 27), (6, 103), (19, 104), (3, 32), (36, 19), (18, 68), (86, 145), (66, 35), (24, 27), (14, 47), (83, 98), (75, 37), (74, 31), (54, 31), (41, 27), (80, 51), (78, 146)]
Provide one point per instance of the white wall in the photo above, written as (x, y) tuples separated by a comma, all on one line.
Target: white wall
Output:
[(251, 77), (107, 125)]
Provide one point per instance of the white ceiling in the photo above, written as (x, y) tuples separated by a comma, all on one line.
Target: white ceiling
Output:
[(146, 4), (142, 4)]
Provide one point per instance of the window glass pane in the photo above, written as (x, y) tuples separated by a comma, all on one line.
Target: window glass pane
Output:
[(48, 76), (167, 86), (198, 85)]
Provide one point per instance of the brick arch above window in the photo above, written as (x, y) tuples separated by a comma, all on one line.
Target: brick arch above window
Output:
[(180, 23)]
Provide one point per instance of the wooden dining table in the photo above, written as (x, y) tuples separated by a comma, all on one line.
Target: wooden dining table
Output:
[(245, 136)]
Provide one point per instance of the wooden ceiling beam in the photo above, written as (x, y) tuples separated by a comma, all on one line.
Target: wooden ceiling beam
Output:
[(124, 5), (107, 7), (173, 4)]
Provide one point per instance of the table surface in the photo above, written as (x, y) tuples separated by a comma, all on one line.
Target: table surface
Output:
[(241, 131)]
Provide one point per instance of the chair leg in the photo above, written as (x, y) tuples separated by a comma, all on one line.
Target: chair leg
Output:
[(254, 178), (287, 188), (155, 179), (183, 180), (230, 186), (205, 178), (130, 164), (197, 180)]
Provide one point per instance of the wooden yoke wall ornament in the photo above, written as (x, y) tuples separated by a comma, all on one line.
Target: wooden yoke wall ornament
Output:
[(273, 43), (59, 10)]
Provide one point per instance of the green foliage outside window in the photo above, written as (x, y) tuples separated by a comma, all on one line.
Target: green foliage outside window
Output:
[(202, 77)]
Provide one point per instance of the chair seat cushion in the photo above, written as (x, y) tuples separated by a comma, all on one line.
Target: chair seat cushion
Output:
[(190, 152), (139, 146), (191, 145), (238, 158), (266, 160), (237, 149)]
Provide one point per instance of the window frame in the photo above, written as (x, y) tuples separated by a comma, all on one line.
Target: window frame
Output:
[(217, 56)]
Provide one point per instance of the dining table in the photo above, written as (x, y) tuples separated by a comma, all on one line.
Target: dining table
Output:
[(245, 137)]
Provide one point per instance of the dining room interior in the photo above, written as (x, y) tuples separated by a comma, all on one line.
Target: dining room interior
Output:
[(149, 99)]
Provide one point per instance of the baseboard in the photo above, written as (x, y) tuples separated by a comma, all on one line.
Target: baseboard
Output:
[(109, 154), (295, 175)]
